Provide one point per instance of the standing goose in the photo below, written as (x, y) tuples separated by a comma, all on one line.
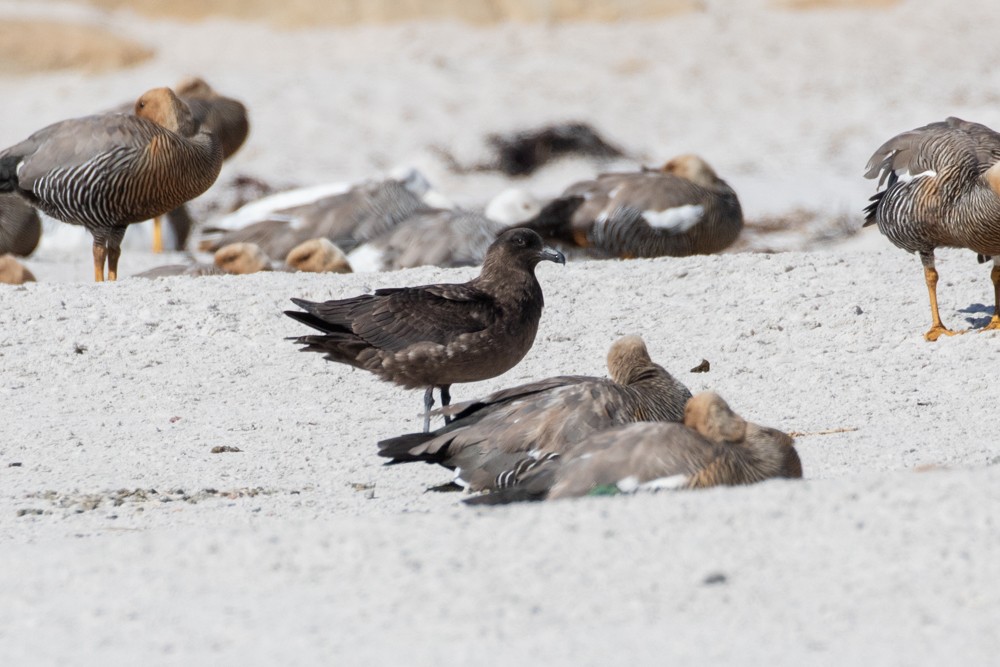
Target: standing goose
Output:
[(516, 426), (682, 209), (713, 447), (108, 171), (437, 335), (942, 189)]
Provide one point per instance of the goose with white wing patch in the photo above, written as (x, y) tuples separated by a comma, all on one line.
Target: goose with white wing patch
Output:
[(681, 209), (713, 447)]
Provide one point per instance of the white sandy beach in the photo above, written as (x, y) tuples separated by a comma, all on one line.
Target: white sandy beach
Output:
[(125, 539)]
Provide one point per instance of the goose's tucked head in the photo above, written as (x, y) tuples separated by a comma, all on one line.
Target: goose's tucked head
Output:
[(627, 359), (241, 258), (194, 86), (708, 414), (318, 256), (164, 108), (692, 168), (12, 272)]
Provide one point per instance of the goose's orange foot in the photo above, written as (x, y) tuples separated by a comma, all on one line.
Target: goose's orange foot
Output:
[(994, 324), (937, 331)]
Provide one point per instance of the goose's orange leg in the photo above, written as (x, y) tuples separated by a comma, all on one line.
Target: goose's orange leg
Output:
[(157, 235), (995, 277), (114, 252), (100, 254), (937, 328)]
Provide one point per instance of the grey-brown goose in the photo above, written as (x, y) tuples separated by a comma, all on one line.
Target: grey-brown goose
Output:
[(437, 237), (224, 117), (20, 226), (713, 447), (942, 189), (347, 219), (437, 335), (682, 209), (107, 171), (493, 435)]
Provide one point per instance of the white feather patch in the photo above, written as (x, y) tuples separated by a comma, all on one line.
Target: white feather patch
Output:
[(266, 206), (665, 483), (631, 483), (678, 219), (459, 480), (628, 484), (905, 176), (366, 258)]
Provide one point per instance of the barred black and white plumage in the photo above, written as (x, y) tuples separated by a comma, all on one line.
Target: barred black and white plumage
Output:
[(20, 227), (107, 171), (682, 209), (941, 189), (712, 447), (511, 477)]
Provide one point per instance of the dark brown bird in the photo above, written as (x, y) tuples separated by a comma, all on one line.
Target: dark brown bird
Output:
[(713, 447), (682, 209), (107, 171), (942, 189), (20, 227), (493, 435), (437, 335)]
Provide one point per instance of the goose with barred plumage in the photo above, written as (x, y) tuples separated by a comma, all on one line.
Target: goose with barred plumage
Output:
[(942, 189), (108, 171)]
